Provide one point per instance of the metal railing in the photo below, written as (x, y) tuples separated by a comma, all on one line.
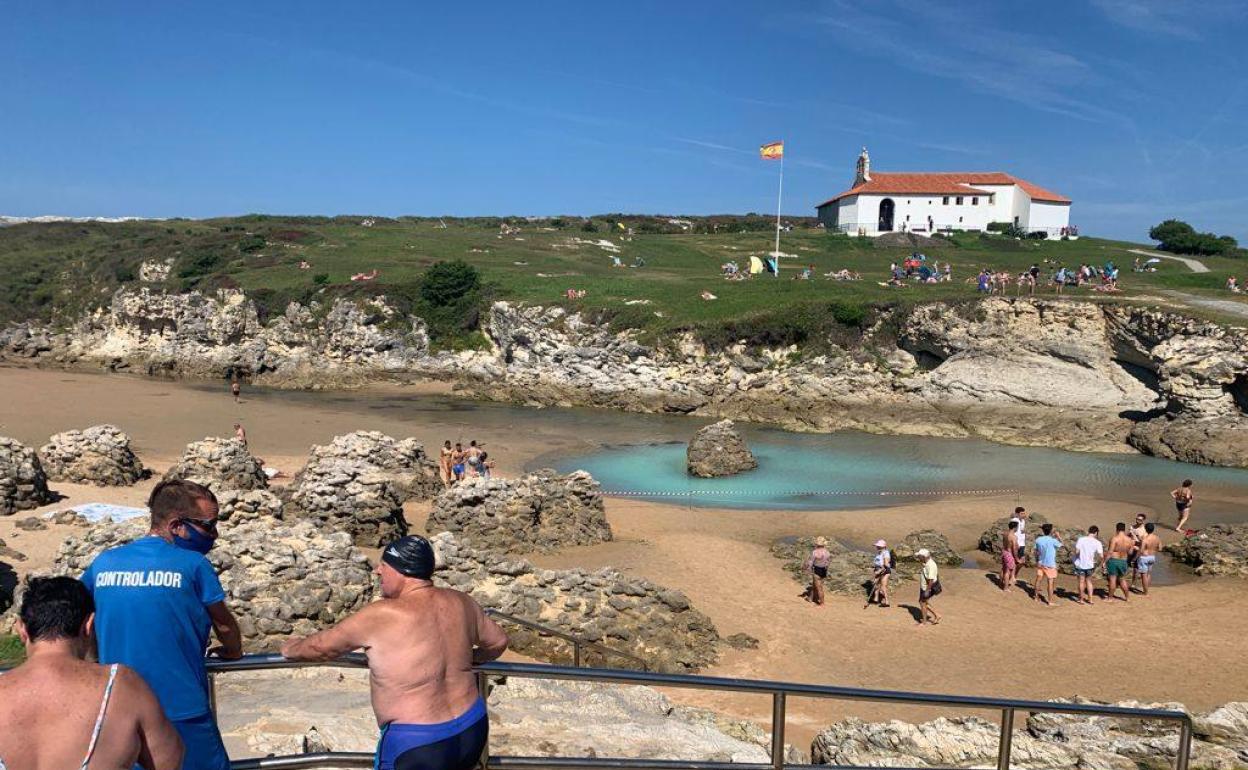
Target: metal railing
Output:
[(578, 642), (779, 692)]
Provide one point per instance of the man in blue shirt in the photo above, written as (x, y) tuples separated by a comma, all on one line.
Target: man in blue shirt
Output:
[(1046, 562), (156, 601)]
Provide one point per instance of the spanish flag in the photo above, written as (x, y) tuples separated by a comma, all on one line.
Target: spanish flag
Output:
[(773, 151)]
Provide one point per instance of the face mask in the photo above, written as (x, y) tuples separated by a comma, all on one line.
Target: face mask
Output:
[(197, 541)]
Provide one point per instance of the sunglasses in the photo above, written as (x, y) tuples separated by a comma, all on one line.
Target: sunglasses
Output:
[(207, 525)]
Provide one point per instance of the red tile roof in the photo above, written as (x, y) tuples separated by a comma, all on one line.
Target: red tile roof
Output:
[(945, 183)]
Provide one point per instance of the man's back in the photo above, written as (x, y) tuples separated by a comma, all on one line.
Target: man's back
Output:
[(49, 714), (1121, 545), (151, 599), (1150, 545), (420, 655)]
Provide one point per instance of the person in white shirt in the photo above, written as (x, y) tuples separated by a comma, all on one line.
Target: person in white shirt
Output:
[(1089, 552), (929, 587), (1021, 516)]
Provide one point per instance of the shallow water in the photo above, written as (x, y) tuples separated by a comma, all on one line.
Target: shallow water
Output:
[(854, 470)]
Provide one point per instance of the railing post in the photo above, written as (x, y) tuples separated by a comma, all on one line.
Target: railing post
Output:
[(777, 730), (1185, 745), (1007, 739), (212, 693), (483, 689), (576, 654)]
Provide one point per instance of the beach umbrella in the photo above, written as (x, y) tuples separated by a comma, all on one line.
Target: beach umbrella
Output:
[(1152, 261)]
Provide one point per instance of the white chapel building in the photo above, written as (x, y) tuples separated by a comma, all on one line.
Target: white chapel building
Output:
[(927, 202)]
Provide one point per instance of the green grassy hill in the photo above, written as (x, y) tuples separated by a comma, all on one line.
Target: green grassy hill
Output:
[(54, 270)]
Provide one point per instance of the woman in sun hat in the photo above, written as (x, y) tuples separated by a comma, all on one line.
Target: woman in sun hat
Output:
[(879, 579), (817, 566)]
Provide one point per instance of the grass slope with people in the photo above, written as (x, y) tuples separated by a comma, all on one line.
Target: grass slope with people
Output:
[(53, 271)]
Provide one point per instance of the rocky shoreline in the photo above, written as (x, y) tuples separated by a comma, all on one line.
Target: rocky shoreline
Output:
[(1063, 373)]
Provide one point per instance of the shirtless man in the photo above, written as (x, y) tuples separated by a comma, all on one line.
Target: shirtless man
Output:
[(58, 710), (1183, 499), (236, 388), (444, 463), (1116, 562), (1146, 558), (421, 642), (240, 433), (472, 458), (457, 462), (1009, 556), (1137, 534)]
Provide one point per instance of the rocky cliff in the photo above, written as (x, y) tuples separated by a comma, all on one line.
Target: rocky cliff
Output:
[(1069, 373)]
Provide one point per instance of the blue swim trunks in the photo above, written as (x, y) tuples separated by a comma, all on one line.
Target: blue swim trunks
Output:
[(204, 749), (452, 745)]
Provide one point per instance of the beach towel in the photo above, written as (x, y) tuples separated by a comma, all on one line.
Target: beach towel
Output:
[(97, 512)]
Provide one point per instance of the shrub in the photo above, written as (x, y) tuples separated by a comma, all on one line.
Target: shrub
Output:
[(999, 227), (589, 226), (446, 283), (320, 279), (124, 274), (1038, 235), (1179, 237)]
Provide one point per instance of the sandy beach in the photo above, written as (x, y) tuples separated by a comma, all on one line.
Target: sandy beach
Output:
[(1180, 643)]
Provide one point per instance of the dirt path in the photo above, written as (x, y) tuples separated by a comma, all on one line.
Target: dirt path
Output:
[(1195, 265)]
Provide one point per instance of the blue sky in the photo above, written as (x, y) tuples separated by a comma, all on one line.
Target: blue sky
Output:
[(1137, 109)]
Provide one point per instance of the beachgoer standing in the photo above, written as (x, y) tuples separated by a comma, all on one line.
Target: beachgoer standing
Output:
[(1046, 563), (457, 462), (882, 569), (1183, 499), (1088, 555), (444, 463), (1116, 567), (58, 710), (236, 388), (156, 601), (421, 642), (1021, 515), (929, 586), (240, 433), (1009, 555), (1137, 535), (817, 567), (1147, 557), (472, 457)]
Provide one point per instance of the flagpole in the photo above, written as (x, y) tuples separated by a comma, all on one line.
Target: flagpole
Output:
[(779, 198)]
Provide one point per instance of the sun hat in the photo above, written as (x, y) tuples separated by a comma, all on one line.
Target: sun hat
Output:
[(821, 541), (923, 553), (880, 543)]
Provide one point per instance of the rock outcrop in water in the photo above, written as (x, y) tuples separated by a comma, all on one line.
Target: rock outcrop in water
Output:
[(1055, 372), (99, 455), (538, 511), (279, 578), (219, 464), (23, 483), (718, 450), (1220, 549), (624, 613), (1046, 742)]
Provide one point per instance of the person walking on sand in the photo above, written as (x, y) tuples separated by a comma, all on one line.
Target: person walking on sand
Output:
[(1146, 558), (57, 709), (882, 569), (1183, 499), (1046, 563), (236, 388), (1088, 555), (1009, 555), (929, 586), (1116, 567), (817, 567), (421, 642), (444, 463)]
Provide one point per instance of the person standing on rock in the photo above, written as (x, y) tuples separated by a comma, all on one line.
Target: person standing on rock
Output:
[(157, 599), (1183, 499), (421, 642), (1146, 558), (240, 433), (1009, 555), (817, 567), (1116, 566), (929, 586), (457, 462), (1046, 563), (444, 463), (1088, 555), (59, 710)]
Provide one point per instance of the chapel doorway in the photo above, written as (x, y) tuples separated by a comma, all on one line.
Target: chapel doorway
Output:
[(886, 215)]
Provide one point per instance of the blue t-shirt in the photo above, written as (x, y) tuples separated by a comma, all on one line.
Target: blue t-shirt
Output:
[(1046, 550), (151, 600)]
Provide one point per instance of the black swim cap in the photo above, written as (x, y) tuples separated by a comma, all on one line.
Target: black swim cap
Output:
[(411, 556)]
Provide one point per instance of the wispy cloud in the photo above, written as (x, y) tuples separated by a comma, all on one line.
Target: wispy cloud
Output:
[(1173, 18)]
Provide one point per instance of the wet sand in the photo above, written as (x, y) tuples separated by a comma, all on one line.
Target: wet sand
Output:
[(1181, 643)]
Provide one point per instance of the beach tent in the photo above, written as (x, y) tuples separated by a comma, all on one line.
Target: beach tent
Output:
[(773, 266), (756, 265)]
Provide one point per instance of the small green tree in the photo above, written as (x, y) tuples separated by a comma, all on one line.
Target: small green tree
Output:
[(446, 283), (1170, 231), (320, 279)]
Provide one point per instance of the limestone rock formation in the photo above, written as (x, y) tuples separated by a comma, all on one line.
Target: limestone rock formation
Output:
[(625, 613), (99, 455), (718, 450), (1208, 440), (936, 544), (219, 464), (340, 494), (990, 542), (239, 505), (849, 570), (405, 461), (279, 578), (1046, 742), (538, 511), (1219, 549), (23, 483)]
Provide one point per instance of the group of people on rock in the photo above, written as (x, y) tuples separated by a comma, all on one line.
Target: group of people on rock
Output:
[(1131, 551), (455, 463), (146, 611)]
